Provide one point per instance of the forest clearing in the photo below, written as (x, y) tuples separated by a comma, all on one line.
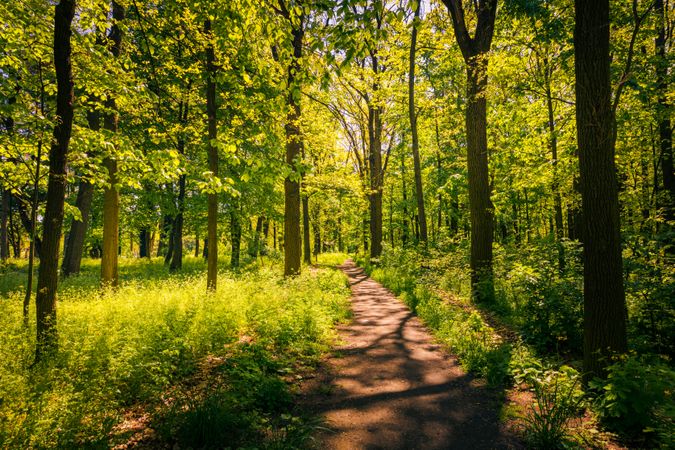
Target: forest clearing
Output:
[(337, 224)]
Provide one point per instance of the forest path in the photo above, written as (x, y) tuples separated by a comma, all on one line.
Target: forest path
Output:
[(391, 387)]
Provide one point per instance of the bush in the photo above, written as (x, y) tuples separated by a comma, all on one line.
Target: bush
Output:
[(637, 398)]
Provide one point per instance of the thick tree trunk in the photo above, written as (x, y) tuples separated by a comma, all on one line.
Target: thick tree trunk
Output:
[(292, 238), (111, 196), (56, 185), (475, 52), (376, 174), (604, 297), (211, 241), (419, 192), (480, 204), (144, 243), (72, 255)]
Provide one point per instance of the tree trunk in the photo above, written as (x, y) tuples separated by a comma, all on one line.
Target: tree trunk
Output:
[(56, 185), (475, 52), (553, 143), (663, 111), (144, 243), (211, 241), (177, 258), (404, 196), (254, 251), (376, 175), (292, 238), (235, 233), (604, 297), (419, 192), (34, 206), (72, 256), (4, 218), (307, 256), (111, 197)]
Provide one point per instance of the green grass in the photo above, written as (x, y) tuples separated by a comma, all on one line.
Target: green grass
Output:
[(127, 347)]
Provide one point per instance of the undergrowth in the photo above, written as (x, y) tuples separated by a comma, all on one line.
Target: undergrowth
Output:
[(129, 346), (545, 309)]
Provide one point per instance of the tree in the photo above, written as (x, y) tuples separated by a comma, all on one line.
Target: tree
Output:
[(604, 297), (475, 52), (111, 196), (292, 236), (211, 244), (419, 192), (58, 155)]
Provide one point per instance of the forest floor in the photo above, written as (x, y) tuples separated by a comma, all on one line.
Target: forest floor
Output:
[(388, 385)]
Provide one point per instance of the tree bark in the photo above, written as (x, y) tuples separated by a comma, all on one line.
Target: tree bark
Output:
[(604, 297), (307, 253), (235, 233), (292, 238), (419, 192), (111, 197), (47, 339), (177, 258), (4, 217), (553, 144), (211, 241), (663, 111), (475, 51), (72, 257)]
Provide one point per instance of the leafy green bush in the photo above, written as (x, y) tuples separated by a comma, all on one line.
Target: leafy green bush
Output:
[(637, 398)]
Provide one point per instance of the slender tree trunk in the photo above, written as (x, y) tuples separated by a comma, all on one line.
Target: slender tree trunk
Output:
[(235, 233), (111, 196), (292, 238), (254, 251), (663, 111), (34, 207), (72, 256), (307, 256), (56, 186), (404, 197), (4, 217), (211, 241), (419, 192), (604, 297), (177, 257), (376, 175), (553, 143)]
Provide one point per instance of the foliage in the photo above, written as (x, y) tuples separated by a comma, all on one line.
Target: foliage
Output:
[(120, 348), (637, 398)]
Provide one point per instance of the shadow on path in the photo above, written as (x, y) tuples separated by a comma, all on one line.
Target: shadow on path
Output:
[(393, 388)]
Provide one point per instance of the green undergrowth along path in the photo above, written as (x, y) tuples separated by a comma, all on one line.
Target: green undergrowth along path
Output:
[(119, 349), (492, 342)]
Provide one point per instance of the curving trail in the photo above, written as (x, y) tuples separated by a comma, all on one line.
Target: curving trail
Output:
[(391, 387)]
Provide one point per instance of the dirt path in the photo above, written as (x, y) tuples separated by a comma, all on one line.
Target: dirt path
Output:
[(391, 387)]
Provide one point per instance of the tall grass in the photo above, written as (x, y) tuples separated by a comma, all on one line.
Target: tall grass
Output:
[(123, 347)]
